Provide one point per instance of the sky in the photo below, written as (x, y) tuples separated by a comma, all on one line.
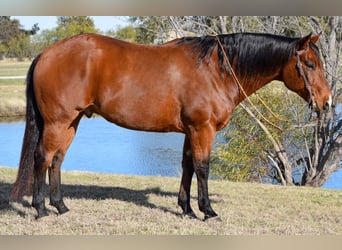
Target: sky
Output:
[(104, 23)]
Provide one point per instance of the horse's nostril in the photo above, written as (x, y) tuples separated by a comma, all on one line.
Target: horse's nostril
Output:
[(328, 104)]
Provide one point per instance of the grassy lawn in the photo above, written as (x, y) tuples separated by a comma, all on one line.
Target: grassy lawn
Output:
[(104, 204), (12, 91), (8, 68), (12, 100)]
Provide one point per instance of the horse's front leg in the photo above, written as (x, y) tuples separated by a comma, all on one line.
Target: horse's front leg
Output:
[(201, 142), (40, 167)]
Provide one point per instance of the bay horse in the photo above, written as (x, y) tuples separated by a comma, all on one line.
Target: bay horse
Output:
[(182, 86)]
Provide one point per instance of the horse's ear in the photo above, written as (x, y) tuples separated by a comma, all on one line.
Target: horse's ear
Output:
[(303, 43), (315, 38)]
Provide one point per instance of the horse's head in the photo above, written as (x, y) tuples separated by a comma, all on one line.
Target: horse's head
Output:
[(304, 75)]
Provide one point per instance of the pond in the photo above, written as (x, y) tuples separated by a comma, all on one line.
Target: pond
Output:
[(100, 146)]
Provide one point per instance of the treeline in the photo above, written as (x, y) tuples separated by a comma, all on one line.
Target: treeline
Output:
[(16, 42)]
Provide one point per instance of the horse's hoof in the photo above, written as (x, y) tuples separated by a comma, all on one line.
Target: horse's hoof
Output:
[(62, 210), (210, 215), (42, 214), (190, 215), (213, 219)]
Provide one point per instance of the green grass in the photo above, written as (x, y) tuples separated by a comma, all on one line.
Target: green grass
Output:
[(12, 91), (8, 68), (12, 82), (12, 100), (119, 204)]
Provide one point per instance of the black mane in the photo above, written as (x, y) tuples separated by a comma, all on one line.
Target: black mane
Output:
[(252, 53)]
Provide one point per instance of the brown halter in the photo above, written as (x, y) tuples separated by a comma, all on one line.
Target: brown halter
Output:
[(307, 84)]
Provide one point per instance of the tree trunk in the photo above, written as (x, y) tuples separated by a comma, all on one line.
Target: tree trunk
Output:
[(223, 24)]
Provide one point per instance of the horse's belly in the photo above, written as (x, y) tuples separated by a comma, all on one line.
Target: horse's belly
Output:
[(144, 115)]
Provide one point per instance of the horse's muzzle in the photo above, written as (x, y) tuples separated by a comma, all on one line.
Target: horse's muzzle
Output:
[(328, 105)]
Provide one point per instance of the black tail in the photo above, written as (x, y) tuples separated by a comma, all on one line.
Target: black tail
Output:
[(34, 126)]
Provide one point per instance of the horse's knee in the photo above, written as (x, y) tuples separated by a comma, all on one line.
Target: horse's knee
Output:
[(202, 170)]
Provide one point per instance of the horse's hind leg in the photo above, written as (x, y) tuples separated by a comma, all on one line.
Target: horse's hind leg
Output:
[(188, 171), (50, 152), (40, 168), (44, 154), (56, 198)]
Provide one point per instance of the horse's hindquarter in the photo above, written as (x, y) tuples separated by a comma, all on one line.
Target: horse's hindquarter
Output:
[(62, 79)]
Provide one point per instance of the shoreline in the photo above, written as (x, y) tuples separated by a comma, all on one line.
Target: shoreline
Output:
[(13, 118), (12, 168)]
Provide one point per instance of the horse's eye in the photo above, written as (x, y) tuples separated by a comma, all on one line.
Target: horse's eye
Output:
[(310, 64)]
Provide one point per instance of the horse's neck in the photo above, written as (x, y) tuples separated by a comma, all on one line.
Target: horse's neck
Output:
[(249, 85)]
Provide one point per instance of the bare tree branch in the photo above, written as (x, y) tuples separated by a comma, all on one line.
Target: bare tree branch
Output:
[(279, 150)]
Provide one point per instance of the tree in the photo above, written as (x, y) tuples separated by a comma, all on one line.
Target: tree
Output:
[(127, 33), (8, 28), (20, 46), (325, 154), (66, 26), (73, 25), (14, 40), (160, 29), (151, 29), (244, 153), (301, 152)]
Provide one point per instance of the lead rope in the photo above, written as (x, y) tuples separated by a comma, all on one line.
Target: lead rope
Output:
[(245, 94)]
